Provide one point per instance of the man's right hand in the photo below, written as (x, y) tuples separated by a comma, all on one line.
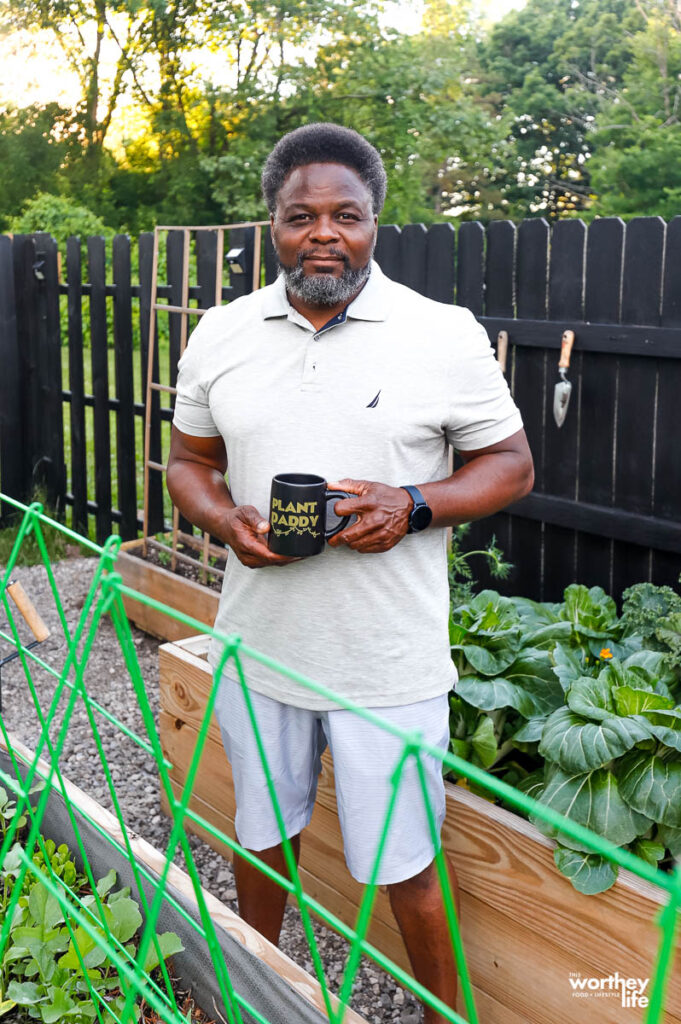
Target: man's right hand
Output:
[(245, 532)]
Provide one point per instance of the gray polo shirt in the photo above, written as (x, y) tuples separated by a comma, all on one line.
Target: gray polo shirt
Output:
[(378, 397)]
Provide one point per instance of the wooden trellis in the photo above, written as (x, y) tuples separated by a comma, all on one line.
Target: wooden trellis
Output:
[(204, 548)]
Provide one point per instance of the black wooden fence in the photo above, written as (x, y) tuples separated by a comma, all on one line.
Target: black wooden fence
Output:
[(606, 508)]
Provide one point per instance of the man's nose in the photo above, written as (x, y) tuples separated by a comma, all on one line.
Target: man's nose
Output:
[(324, 229)]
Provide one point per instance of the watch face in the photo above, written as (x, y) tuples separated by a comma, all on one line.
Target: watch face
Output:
[(420, 518)]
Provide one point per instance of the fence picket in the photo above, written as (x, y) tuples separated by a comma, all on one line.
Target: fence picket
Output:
[(470, 279), (666, 568), (605, 251), (499, 301), (530, 393), (12, 454), (440, 262), (388, 253), (413, 244), (100, 385), (561, 462), (74, 283), (125, 419), (637, 386)]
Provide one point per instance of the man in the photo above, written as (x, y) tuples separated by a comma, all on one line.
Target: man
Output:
[(335, 370)]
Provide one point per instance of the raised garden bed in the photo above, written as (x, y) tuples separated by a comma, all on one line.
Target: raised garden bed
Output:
[(179, 590), (273, 984), (526, 930)]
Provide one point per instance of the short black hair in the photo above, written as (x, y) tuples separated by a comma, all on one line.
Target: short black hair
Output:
[(324, 143)]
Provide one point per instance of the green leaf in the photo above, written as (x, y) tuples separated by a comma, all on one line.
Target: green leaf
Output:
[(484, 742), (591, 612), (106, 883), (670, 838), (530, 731), (547, 635), (60, 1005), (529, 686), (25, 993), (499, 651), (651, 786), (125, 919), (169, 944), (461, 748), (579, 746), (648, 850), (43, 907), (592, 698), (630, 701), (592, 800), (589, 872), (533, 784), (568, 665)]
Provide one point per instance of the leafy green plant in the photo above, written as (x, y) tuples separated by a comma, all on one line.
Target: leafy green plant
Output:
[(570, 704), (51, 971), (461, 579)]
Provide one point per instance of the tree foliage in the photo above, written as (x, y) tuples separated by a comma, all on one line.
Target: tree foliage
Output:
[(561, 108)]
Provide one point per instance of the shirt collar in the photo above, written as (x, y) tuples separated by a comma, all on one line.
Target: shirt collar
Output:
[(370, 304)]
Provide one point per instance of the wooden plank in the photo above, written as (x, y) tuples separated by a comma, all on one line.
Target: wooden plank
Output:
[(155, 497), (125, 414), (637, 386), (605, 250), (561, 461), (601, 521), (607, 338), (271, 264), (388, 253), (530, 391), (12, 454), (470, 280), (79, 519), (100, 384), (441, 262), (413, 244), (666, 567), (305, 985), (169, 588)]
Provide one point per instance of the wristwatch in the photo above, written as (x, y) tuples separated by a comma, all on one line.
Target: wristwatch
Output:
[(421, 514)]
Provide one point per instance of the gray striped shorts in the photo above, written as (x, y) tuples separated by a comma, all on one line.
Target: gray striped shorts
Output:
[(364, 758)]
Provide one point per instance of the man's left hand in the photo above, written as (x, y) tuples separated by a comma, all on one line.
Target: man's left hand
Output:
[(382, 515)]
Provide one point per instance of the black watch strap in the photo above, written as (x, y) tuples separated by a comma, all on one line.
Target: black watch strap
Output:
[(421, 514)]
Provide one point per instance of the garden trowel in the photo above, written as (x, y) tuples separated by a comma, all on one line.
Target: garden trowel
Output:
[(562, 390)]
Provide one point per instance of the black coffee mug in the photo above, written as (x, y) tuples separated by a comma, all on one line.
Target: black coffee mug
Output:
[(298, 507)]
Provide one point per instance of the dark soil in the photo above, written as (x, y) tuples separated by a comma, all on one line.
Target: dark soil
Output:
[(188, 572)]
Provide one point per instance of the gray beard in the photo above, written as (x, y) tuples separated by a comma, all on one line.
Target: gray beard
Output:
[(323, 289)]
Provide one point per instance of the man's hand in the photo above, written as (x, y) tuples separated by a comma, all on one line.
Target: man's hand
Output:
[(382, 515), (246, 534)]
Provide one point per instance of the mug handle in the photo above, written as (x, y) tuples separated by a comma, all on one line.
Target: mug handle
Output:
[(334, 496)]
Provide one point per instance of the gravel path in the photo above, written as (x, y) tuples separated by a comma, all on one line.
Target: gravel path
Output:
[(376, 996)]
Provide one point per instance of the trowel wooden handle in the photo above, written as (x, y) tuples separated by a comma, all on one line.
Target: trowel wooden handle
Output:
[(566, 344), (502, 349), (27, 609)]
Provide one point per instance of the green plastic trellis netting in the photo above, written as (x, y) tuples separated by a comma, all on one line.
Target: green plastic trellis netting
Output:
[(37, 785)]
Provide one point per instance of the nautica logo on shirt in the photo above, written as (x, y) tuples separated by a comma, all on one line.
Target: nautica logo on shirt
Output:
[(374, 401)]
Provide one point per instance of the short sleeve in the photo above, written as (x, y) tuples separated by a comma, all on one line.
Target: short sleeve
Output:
[(192, 410), (482, 411)]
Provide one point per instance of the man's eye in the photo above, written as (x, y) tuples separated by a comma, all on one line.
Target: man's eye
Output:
[(348, 216)]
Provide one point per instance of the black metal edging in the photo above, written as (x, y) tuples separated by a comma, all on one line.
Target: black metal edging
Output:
[(614, 339), (647, 531)]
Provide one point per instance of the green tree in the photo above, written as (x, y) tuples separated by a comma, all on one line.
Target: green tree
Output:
[(33, 146)]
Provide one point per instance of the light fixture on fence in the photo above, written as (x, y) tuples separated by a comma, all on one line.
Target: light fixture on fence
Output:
[(237, 261)]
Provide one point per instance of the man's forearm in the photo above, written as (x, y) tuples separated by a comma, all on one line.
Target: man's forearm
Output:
[(480, 488), (201, 494)]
